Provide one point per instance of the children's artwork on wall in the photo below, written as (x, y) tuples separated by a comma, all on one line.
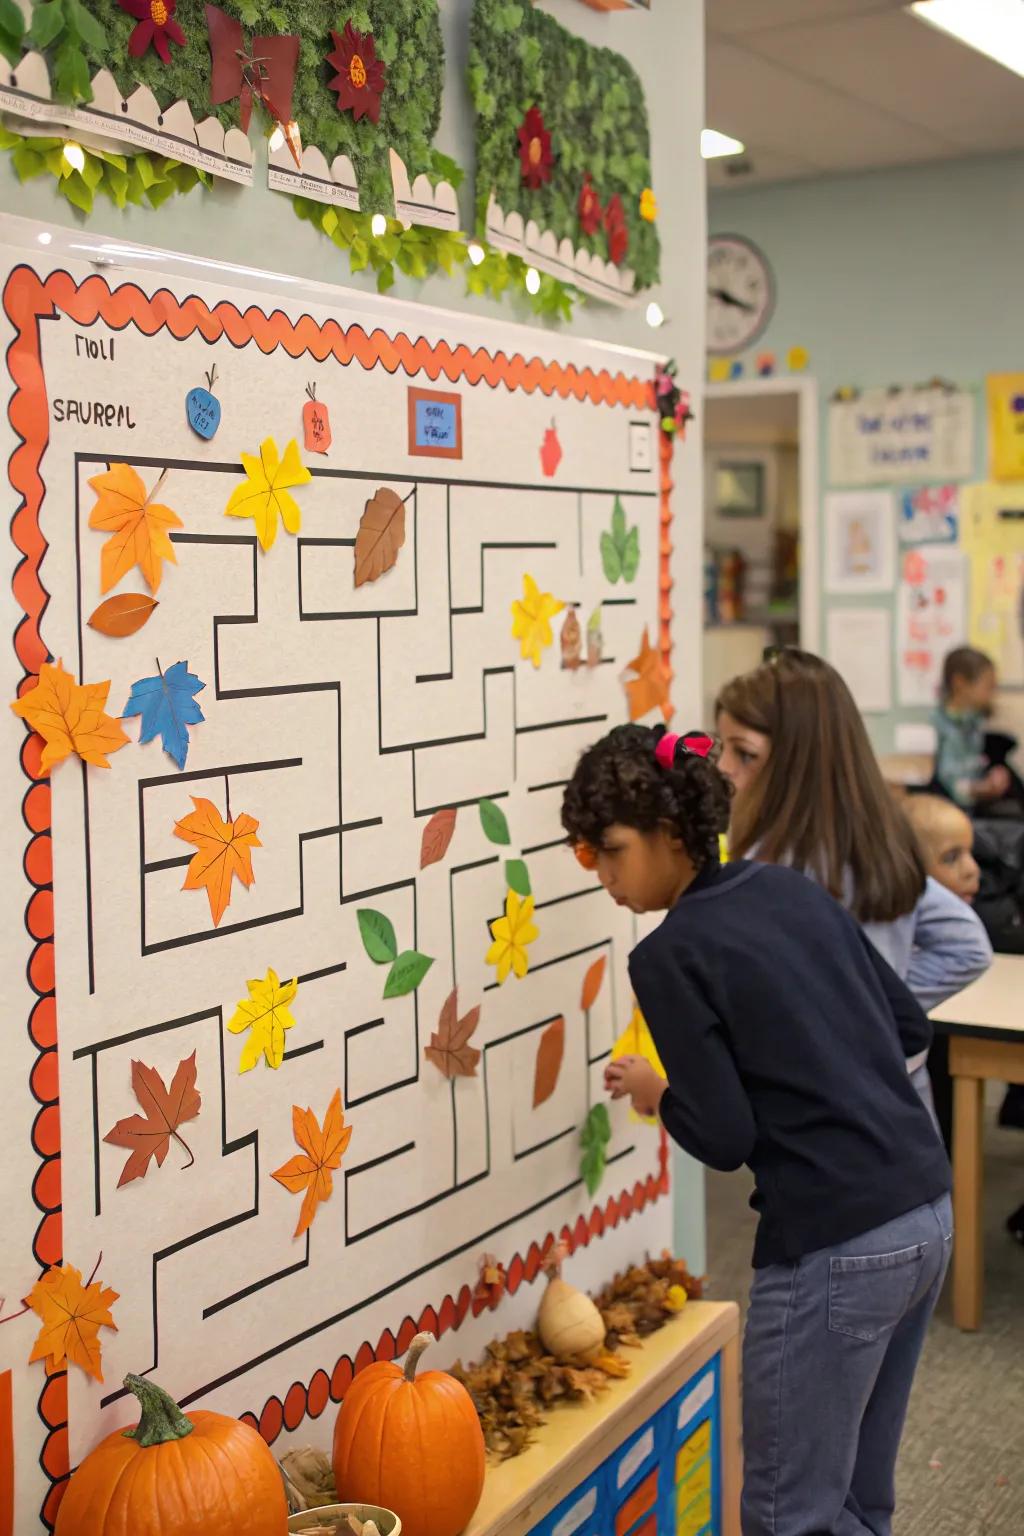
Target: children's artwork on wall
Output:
[(931, 618), (327, 912), (562, 153), (859, 646), (992, 535), (1005, 394), (860, 538), (895, 436), (930, 514)]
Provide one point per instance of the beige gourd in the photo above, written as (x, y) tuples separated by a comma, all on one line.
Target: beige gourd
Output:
[(569, 1324)]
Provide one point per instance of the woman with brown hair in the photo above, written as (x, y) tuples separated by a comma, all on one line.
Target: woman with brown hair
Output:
[(809, 793)]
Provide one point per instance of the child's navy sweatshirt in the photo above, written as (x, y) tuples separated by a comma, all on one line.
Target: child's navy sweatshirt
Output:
[(784, 1036)]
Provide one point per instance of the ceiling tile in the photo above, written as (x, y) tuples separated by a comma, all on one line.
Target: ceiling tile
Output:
[(737, 16)]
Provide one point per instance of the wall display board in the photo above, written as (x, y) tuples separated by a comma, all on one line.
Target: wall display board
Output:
[(992, 532), (887, 436), (314, 620)]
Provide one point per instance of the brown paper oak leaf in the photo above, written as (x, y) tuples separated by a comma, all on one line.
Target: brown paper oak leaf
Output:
[(223, 852), (449, 1047), (380, 537), (164, 1109), (138, 526), (550, 1050), (72, 1315), (437, 834), (322, 1151)]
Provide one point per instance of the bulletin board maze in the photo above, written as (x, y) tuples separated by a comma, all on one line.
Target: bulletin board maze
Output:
[(342, 719)]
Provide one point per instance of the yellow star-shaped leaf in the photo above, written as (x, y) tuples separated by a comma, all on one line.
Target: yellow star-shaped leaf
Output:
[(511, 934), (266, 1012), (531, 620), (264, 493)]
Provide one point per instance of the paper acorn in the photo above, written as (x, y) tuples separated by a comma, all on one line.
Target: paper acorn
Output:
[(203, 408)]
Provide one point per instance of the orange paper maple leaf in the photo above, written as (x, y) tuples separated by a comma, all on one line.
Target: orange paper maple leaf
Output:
[(224, 852), (322, 1151), (70, 717), (649, 685), (138, 526), (72, 1315)]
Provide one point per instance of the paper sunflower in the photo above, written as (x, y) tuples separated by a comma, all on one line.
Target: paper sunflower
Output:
[(535, 154), (512, 934), (156, 25), (617, 230), (589, 208), (360, 80)]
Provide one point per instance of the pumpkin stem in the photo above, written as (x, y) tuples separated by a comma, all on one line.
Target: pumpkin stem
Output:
[(161, 1419), (421, 1342)]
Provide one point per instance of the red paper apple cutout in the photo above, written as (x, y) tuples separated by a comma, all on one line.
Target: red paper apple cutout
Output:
[(550, 451)]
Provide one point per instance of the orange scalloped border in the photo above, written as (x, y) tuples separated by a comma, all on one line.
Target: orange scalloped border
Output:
[(27, 300)]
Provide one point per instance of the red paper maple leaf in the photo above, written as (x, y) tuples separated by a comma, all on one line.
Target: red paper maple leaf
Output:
[(149, 1135)]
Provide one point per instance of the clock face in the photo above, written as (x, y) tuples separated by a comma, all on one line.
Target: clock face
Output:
[(741, 293)]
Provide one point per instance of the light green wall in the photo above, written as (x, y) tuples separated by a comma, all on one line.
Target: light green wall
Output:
[(892, 278)]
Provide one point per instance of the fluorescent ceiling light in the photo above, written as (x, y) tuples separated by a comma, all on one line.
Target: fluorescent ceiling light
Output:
[(714, 144), (993, 27)]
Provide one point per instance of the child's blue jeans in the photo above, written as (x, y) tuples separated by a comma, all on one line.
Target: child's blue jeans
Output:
[(831, 1347)]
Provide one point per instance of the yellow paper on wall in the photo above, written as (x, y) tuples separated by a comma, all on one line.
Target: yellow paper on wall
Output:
[(636, 1040), (992, 537), (1006, 425)]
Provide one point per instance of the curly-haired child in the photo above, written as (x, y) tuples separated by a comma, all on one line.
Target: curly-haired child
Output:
[(784, 1036)]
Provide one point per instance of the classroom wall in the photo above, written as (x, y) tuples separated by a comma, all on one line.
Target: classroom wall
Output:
[(891, 277)]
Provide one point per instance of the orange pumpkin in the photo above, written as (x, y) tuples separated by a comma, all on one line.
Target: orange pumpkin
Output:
[(175, 1476), (412, 1444)]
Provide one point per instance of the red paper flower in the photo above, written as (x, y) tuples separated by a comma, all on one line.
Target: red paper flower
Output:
[(535, 150), (156, 25), (589, 208), (617, 230), (360, 80)]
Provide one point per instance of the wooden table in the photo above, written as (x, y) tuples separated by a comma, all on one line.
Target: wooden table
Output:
[(985, 1024), (578, 1438)]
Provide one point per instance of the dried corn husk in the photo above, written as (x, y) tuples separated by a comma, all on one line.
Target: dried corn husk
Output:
[(308, 1479)]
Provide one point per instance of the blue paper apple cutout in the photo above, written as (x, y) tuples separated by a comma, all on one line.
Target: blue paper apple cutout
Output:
[(203, 408)]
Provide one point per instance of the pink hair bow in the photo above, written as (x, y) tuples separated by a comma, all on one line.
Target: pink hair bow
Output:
[(696, 743)]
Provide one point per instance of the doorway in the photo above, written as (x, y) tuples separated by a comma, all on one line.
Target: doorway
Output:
[(761, 579)]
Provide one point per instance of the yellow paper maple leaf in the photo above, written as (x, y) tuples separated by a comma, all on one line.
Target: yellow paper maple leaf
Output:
[(72, 1315), (531, 620), (264, 493), (138, 526), (511, 934), (322, 1151), (636, 1040), (224, 852), (70, 717), (266, 1012)]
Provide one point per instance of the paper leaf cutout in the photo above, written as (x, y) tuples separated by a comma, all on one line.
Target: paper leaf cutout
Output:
[(164, 1109), (316, 423), (449, 1049), (72, 1315), (592, 983), (437, 834), (492, 819), (512, 934), (122, 615), (267, 1013), (550, 1050), (70, 717), (648, 688), (202, 409), (610, 561), (550, 451), (381, 535), (378, 936), (407, 973), (531, 620), (517, 877), (620, 549), (594, 1139), (166, 705), (265, 492), (636, 1040), (138, 526), (223, 852), (322, 1150)]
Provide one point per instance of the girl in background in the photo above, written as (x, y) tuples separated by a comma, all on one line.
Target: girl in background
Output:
[(783, 1034), (962, 770)]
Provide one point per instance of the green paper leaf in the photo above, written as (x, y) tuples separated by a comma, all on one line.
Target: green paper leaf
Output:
[(27, 163), (407, 973), (145, 171), (385, 278), (47, 23), (92, 172), (12, 31), (597, 1127), (618, 525), (492, 819), (378, 936), (86, 25), (518, 877), (610, 560), (70, 73), (77, 192), (594, 622), (631, 554), (592, 1169)]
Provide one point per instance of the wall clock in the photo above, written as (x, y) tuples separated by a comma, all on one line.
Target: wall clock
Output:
[(741, 293)]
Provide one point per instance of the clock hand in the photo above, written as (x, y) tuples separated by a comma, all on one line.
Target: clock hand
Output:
[(724, 297)]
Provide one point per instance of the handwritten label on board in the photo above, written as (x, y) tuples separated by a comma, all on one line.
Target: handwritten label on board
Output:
[(435, 424), (901, 435)]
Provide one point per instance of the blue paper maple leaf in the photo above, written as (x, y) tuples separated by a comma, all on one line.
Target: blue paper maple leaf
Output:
[(167, 705)]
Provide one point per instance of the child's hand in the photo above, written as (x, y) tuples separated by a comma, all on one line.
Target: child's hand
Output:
[(633, 1077), (994, 785)]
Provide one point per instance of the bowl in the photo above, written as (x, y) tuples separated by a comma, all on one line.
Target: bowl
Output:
[(387, 1523)]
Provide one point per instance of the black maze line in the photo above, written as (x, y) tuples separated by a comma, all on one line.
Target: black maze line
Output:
[(353, 1101)]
